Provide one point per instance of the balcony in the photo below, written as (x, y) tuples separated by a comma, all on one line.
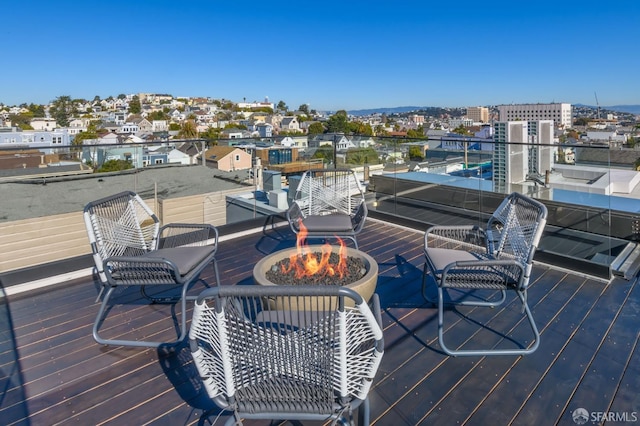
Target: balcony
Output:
[(53, 372)]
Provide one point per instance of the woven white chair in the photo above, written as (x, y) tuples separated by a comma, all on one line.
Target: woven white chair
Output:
[(287, 352), (497, 258), (328, 203), (131, 249)]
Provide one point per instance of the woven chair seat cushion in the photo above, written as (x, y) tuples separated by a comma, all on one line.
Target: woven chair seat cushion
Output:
[(328, 223), (185, 258), (485, 277), (440, 257)]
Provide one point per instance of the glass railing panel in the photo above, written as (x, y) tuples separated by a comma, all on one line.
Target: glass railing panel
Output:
[(591, 197), (592, 207)]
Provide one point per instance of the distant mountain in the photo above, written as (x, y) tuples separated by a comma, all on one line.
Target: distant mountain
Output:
[(385, 110), (630, 109)]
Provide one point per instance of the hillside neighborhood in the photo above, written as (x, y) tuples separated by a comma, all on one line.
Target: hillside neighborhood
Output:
[(227, 135)]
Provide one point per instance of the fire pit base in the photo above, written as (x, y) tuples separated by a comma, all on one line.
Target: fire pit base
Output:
[(365, 286)]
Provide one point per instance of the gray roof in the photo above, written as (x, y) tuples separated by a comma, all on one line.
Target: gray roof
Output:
[(65, 195)]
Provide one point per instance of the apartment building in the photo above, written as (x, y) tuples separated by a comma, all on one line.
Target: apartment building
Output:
[(478, 114), (560, 113), (541, 150), (529, 154)]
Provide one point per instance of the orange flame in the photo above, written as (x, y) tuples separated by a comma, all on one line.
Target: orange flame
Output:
[(304, 263)]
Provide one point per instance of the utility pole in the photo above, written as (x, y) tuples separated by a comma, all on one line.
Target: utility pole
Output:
[(598, 105)]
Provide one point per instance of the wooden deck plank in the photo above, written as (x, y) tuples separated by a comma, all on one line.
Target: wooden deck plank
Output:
[(522, 378), (548, 402), (489, 372), (600, 382)]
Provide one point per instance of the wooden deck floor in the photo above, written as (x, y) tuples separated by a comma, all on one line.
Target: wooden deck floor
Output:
[(588, 357)]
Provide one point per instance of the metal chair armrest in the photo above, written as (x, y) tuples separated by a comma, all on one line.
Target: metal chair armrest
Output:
[(359, 217), (294, 216)]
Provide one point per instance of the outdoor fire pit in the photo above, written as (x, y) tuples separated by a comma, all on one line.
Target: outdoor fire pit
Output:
[(319, 265)]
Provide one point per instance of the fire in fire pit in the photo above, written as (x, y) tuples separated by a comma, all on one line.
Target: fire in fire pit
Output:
[(319, 265), (324, 267)]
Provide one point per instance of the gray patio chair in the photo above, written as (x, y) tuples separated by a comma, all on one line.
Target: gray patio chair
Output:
[(328, 203), (287, 352), (497, 258), (131, 249)]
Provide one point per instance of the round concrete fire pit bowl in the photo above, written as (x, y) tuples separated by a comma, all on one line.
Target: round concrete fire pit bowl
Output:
[(365, 286)]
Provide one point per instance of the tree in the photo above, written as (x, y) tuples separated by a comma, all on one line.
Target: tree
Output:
[(380, 130), (461, 130), (22, 121), (115, 166), (212, 134), (316, 128), (37, 110), (188, 130), (416, 133), (157, 115), (325, 153), (415, 153), (61, 109), (360, 128), (90, 133), (304, 108), (134, 106), (362, 156), (338, 122), (282, 106)]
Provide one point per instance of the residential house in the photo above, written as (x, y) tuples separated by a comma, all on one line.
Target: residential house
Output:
[(274, 155), (120, 118), (177, 116), (607, 137), (290, 124), (155, 158), (111, 127), (265, 130), (341, 142), (25, 159), (228, 158), (144, 125), (175, 156), (363, 141), (159, 126), (129, 128), (259, 116), (293, 141), (34, 139), (43, 123), (98, 155), (233, 133)]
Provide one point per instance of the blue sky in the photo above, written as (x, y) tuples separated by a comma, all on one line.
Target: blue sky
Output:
[(331, 55)]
